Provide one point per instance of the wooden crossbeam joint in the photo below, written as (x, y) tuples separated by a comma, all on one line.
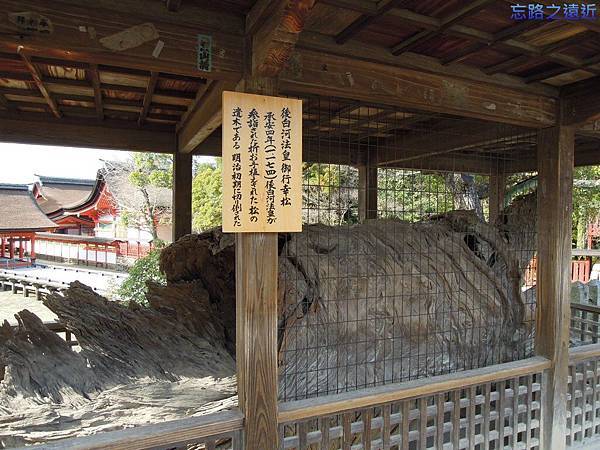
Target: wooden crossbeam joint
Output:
[(37, 78), (152, 81), (446, 23), (95, 79)]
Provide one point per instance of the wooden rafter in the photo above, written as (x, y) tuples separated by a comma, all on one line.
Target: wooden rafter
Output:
[(152, 81), (366, 19), (274, 40), (329, 75), (454, 18), (37, 78), (498, 41), (95, 79), (32, 129), (580, 102), (5, 103), (372, 53), (204, 119), (173, 5), (501, 36), (178, 32)]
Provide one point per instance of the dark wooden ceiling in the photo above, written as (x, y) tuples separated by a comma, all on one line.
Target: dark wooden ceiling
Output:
[(458, 36)]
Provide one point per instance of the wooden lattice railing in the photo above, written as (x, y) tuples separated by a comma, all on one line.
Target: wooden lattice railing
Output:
[(585, 323), (491, 408), (583, 397)]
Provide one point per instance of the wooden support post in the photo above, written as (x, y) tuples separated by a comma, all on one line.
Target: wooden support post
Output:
[(256, 323), (1, 247), (555, 186), (11, 248), (182, 195), (21, 247), (367, 194), (497, 193)]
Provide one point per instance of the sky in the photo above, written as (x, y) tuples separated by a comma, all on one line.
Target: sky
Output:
[(19, 162)]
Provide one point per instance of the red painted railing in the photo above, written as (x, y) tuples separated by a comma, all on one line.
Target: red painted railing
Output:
[(134, 249), (580, 271)]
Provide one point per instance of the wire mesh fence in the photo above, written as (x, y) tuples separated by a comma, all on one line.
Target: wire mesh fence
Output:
[(416, 257)]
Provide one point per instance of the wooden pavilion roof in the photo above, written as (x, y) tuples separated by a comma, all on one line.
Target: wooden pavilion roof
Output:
[(20, 212), (435, 57)]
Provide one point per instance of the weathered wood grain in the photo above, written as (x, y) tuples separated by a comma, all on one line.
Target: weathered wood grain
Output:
[(317, 73), (555, 185), (256, 355)]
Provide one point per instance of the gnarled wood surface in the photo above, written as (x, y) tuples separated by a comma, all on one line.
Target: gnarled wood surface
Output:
[(447, 289)]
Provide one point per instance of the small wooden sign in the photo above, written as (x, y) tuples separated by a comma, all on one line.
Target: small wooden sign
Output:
[(262, 163)]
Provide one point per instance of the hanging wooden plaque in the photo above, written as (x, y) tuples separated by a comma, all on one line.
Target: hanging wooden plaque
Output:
[(262, 163)]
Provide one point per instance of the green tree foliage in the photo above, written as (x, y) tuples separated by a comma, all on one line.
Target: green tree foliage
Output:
[(152, 169), (145, 269), (138, 186), (586, 201), (207, 196), (412, 195), (329, 194)]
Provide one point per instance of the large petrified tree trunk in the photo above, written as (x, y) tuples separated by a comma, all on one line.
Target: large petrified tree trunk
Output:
[(358, 305)]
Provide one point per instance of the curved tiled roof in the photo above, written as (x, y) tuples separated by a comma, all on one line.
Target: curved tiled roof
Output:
[(19, 210), (63, 193)]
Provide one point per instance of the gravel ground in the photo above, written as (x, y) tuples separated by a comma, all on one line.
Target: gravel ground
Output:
[(13, 303)]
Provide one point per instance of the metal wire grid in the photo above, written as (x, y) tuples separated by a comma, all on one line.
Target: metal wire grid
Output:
[(401, 288)]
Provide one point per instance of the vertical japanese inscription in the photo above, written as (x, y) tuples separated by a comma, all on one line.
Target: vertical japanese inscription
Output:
[(262, 163), (270, 169), (236, 167), (286, 162), (253, 157)]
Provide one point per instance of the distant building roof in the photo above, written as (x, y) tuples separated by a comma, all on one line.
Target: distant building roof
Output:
[(64, 193), (20, 212)]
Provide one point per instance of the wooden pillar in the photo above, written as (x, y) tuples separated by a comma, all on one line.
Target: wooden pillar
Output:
[(182, 195), (21, 249), (367, 193), (1, 247), (11, 248), (256, 323), (555, 186), (497, 193), (32, 253)]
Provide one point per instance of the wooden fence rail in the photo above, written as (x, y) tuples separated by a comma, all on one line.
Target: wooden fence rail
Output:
[(222, 430), (493, 406), (583, 397)]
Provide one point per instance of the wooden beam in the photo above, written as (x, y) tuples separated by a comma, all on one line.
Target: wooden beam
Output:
[(460, 137), (367, 52), (23, 129), (366, 19), (422, 36), (274, 40), (205, 119), (329, 75), (580, 102), (4, 102), (95, 79), (148, 96), (37, 78), (257, 263), (368, 188), (496, 194), (105, 18), (501, 36), (182, 195), (554, 196), (173, 5), (256, 336)]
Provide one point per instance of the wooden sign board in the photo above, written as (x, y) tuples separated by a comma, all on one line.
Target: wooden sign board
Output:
[(262, 163)]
